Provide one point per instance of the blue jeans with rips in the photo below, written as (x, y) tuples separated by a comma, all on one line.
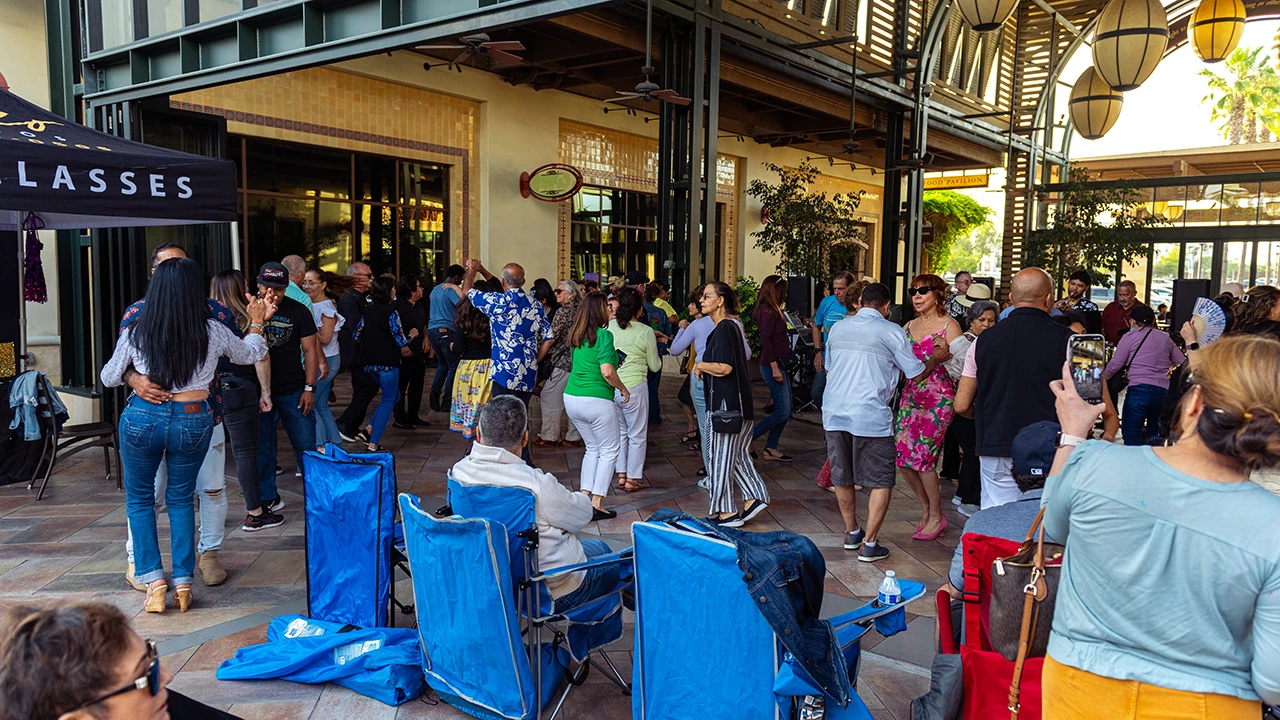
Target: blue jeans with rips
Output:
[(598, 581), (179, 433), (301, 430)]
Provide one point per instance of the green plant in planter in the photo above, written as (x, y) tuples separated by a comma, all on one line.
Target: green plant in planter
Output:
[(748, 289), (805, 228)]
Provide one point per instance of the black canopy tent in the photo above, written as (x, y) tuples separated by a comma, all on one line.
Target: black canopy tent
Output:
[(73, 177)]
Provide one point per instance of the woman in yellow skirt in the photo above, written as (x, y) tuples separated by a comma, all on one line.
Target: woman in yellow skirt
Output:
[(473, 385), (1169, 603)]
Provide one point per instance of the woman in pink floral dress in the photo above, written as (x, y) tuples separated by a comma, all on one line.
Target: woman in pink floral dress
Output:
[(926, 406)]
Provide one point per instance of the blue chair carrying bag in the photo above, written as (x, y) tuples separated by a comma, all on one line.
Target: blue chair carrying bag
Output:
[(350, 513)]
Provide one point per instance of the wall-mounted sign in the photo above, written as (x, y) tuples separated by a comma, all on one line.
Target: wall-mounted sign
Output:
[(551, 183), (949, 182)]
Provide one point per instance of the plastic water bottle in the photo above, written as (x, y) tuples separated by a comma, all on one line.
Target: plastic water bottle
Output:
[(890, 593)]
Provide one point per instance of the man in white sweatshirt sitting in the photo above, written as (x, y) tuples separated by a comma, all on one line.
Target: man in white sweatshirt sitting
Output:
[(495, 461)]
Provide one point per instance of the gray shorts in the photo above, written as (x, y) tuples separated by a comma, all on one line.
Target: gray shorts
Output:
[(865, 461)]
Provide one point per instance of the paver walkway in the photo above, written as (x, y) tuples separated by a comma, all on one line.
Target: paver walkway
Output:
[(70, 545)]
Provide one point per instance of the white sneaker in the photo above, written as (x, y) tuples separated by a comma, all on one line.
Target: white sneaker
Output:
[(955, 500), (968, 510)]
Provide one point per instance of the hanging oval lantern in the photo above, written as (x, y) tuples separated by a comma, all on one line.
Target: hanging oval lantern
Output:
[(1215, 28), (1094, 106), (1128, 41), (986, 15)]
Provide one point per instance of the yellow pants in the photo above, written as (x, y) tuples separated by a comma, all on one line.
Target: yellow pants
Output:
[(1073, 694)]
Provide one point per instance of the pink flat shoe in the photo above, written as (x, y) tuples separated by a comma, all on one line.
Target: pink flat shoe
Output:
[(942, 529)]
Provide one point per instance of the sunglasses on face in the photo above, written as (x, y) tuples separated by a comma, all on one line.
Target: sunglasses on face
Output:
[(922, 290), (149, 681)]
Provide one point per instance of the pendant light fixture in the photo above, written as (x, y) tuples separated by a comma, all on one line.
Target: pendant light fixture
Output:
[(1128, 41), (986, 15), (1215, 29), (1094, 107)]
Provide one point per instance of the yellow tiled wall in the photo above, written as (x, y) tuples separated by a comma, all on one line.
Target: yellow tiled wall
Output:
[(336, 109), (609, 158), (870, 210)]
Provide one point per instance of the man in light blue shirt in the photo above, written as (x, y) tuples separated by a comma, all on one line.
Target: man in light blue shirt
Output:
[(442, 306), (831, 310), (867, 353), (297, 268)]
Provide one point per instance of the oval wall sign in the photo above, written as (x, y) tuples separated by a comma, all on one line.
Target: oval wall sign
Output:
[(551, 183)]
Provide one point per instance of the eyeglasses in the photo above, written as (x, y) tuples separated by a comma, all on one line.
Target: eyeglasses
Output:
[(922, 290), (150, 679), (310, 283)]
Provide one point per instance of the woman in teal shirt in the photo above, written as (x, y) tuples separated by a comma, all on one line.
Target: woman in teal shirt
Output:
[(1169, 602), (588, 397), (637, 346)]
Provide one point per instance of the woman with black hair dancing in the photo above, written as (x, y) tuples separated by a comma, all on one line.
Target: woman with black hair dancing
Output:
[(177, 345)]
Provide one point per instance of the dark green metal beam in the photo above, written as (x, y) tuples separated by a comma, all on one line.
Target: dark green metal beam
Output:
[(283, 37)]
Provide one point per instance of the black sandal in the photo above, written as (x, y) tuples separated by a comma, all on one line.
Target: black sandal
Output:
[(691, 436)]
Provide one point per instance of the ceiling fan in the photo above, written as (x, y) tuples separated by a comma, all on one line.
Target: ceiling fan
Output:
[(648, 90), (478, 45)]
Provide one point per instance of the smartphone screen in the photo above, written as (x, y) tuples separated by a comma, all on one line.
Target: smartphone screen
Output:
[(1088, 356)]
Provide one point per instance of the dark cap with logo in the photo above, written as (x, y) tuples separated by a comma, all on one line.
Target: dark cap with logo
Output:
[(634, 278), (1033, 449), (273, 275), (1142, 314)]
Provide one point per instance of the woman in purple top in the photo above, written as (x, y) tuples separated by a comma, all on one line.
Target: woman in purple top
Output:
[(1150, 354), (775, 347)]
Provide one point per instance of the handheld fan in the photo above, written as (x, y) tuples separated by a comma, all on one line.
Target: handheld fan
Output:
[(1209, 320)]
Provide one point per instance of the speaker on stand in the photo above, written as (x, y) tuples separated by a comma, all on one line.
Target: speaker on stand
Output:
[(801, 295), (1185, 293)]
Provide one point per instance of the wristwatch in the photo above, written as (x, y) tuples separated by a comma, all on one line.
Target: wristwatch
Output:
[(1065, 440), (1193, 346), (309, 388)]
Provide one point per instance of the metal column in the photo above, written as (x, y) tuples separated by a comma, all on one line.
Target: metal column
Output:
[(687, 151)]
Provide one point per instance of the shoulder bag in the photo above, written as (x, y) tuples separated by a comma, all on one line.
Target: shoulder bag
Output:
[(723, 420), (1120, 380), (1024, 588)]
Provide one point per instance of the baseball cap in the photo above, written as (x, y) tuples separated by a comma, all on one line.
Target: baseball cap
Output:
[(635, 277), (273, 275), (1142, 314), (1034, 447)]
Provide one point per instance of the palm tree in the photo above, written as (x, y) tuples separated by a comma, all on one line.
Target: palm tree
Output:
[(1248, 100)]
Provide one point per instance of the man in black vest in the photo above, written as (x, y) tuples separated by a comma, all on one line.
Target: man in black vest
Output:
[(363, 388), (1005, 383)]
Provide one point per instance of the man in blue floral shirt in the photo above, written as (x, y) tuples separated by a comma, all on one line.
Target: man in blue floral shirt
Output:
[(517, 324)]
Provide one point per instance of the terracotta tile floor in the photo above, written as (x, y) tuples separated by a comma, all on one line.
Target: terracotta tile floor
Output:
[(71, 545)]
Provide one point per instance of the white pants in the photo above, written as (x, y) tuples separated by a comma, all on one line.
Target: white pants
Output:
[(633, 430), (211, 488), (598, 421), (998, 485), (553, 404)]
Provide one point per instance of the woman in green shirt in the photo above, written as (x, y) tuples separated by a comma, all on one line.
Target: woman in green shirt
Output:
[(637, 346), (589, 397)]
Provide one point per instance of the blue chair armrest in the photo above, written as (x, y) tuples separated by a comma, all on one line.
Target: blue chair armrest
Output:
[(620, 556), (911, 590)]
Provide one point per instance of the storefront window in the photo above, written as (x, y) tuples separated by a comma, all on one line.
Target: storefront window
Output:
[(299, 201), (163, 16), (613, 231), (1199, 262), (117, 22), (214, 9), (1235, 263), (1164, 270), (1267, 264)]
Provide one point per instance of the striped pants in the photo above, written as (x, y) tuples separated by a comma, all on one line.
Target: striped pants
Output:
[(728, 463)]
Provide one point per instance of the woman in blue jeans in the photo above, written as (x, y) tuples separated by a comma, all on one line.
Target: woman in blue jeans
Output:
[(324, 288), (1150, 354), (176, 343), (775, 347), (382, 344)]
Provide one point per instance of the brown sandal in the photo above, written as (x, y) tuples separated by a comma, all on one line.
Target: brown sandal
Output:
[(628, 486)]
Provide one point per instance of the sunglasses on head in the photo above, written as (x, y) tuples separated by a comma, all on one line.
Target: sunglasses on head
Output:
[(149, 681), (922, 290)]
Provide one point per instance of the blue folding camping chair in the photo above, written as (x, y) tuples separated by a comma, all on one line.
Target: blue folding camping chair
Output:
[(481, 613), (693, 613)]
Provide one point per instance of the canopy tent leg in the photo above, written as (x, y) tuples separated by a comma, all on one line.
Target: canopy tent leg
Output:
[(20, 357)]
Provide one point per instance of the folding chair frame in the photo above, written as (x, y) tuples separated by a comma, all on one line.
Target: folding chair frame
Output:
[(79, 438)]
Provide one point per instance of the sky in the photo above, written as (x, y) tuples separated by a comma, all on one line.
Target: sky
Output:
[(1166, 112)]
